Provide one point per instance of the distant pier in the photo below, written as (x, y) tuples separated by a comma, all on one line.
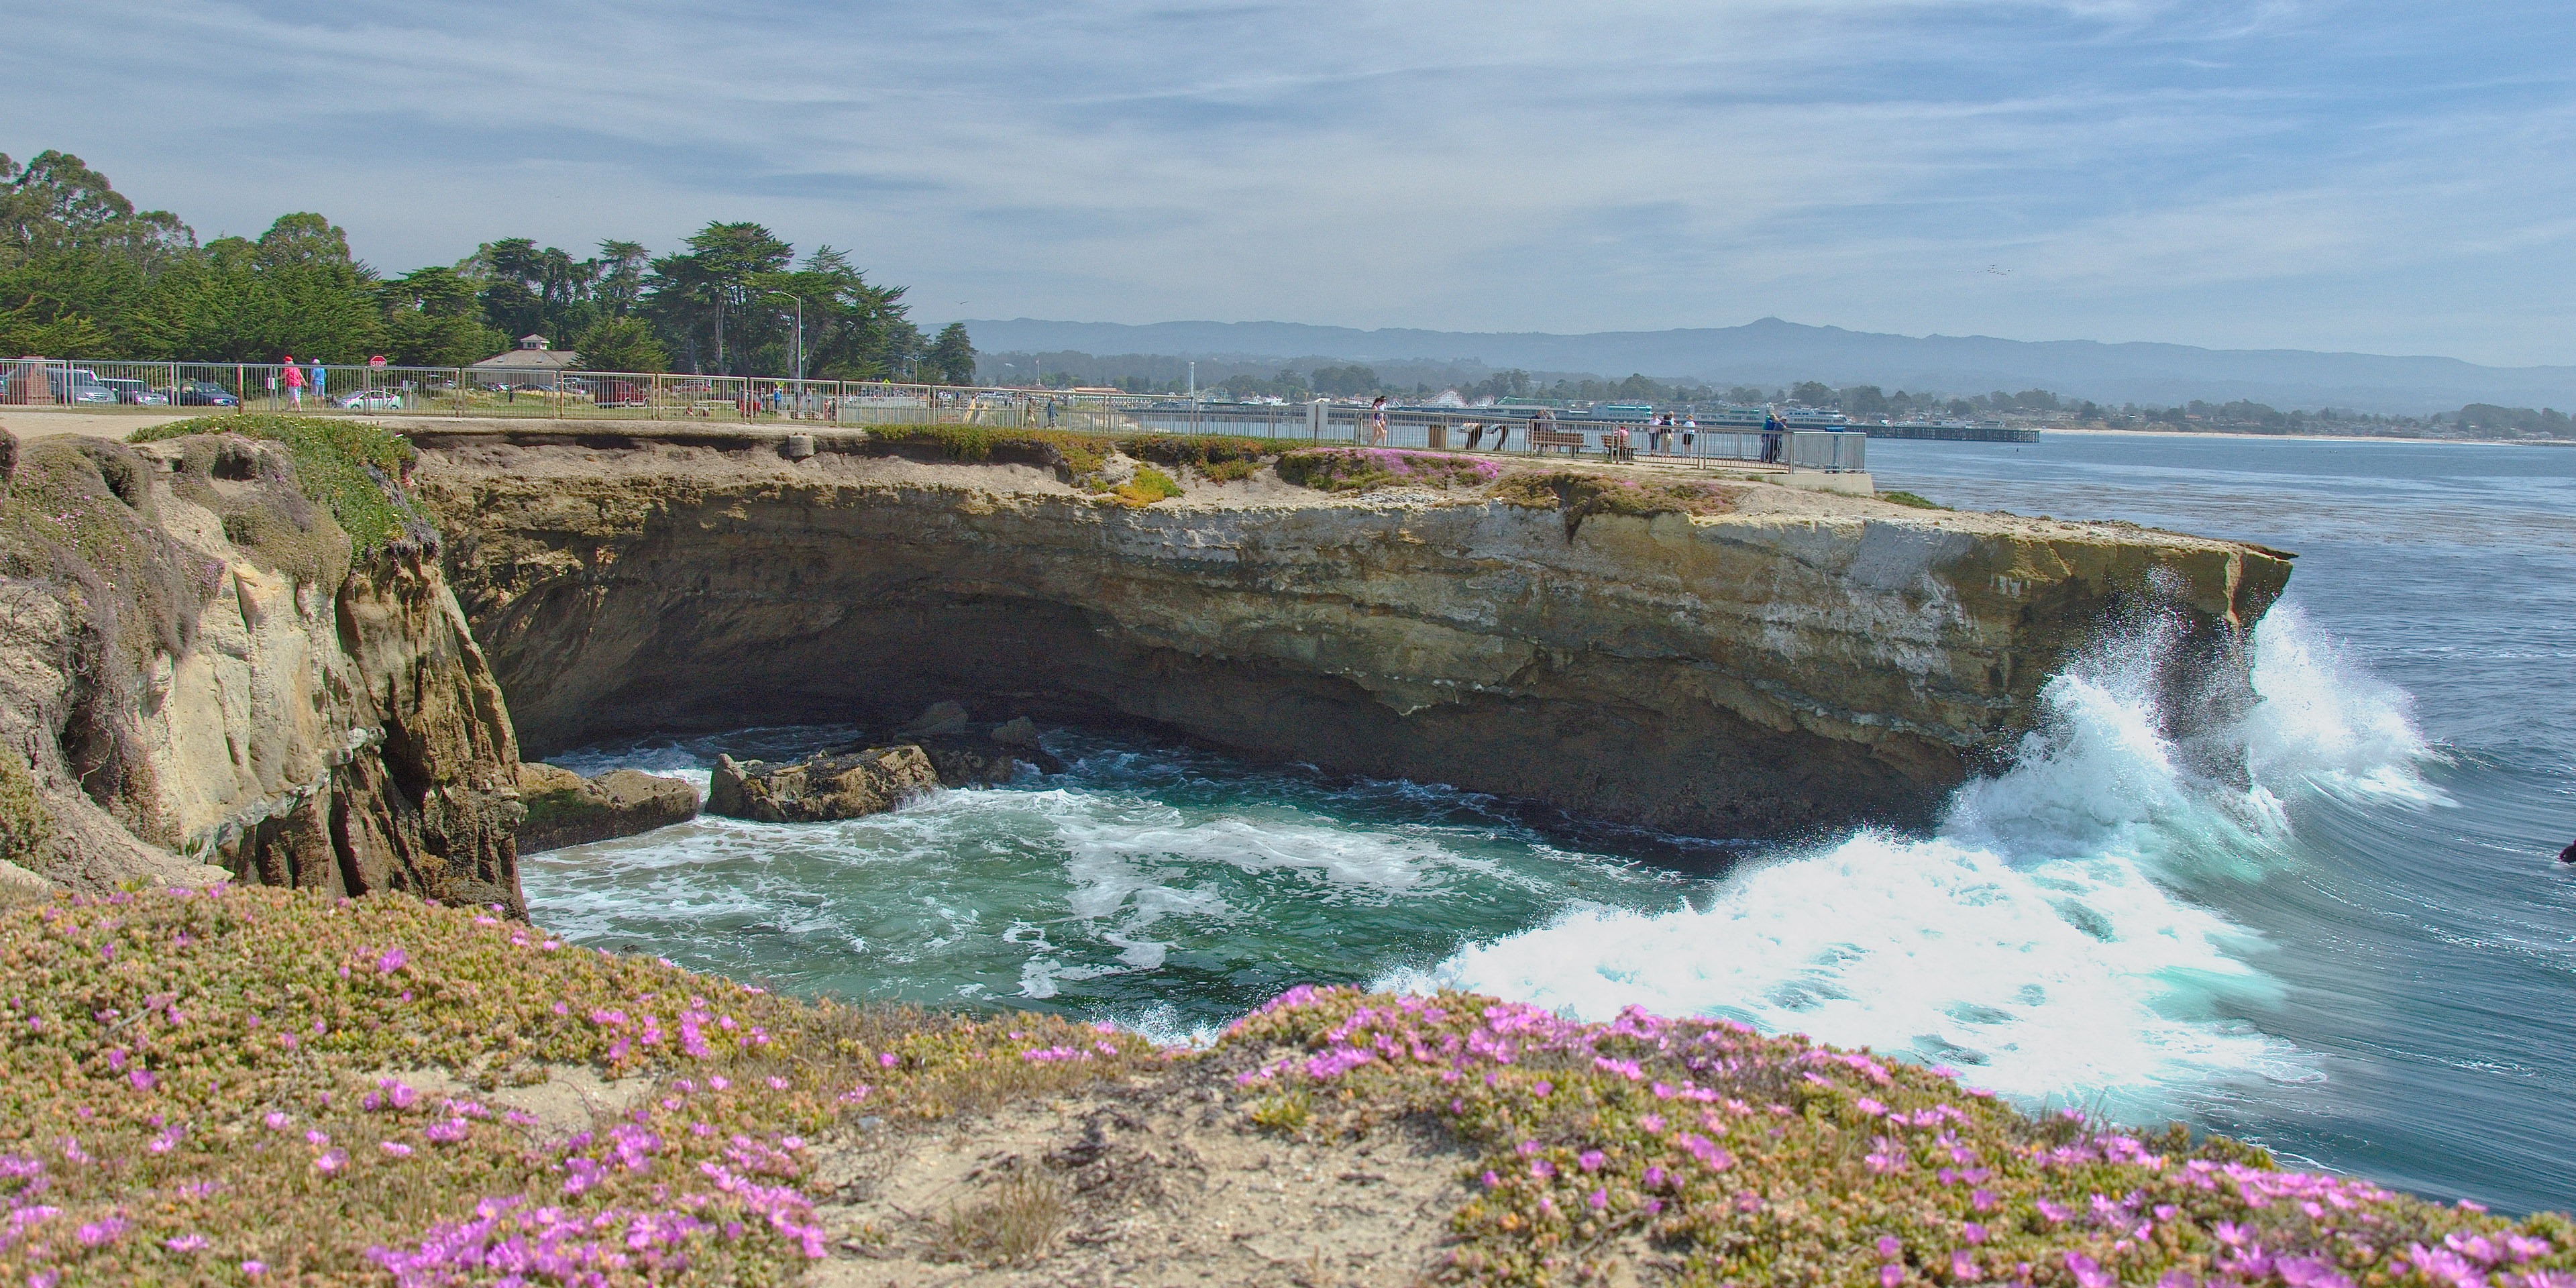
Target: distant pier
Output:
[(1951, 432)]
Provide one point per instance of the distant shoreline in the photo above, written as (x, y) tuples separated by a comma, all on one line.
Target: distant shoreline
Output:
[(2313, 438)]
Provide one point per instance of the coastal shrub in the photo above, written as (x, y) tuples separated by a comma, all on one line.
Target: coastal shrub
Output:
[(1772, 1160), (1225, 458), (1148, 486), (1911, 500), (25, 827), (1579, 495), (350, 467), (259, 1085), (1359, 469)]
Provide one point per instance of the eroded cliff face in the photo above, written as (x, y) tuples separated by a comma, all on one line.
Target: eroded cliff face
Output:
[(1799, 661), (202, 684)]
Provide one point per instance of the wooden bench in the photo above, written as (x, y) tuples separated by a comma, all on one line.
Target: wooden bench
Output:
[(1569, 439)]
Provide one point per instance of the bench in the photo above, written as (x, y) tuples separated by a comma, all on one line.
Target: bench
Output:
[(1569, 439)]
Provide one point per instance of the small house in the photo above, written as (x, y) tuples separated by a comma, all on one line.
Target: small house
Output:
[(534, 364)]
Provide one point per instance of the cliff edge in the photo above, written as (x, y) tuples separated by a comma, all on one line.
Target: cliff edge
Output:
[(1682, 651)]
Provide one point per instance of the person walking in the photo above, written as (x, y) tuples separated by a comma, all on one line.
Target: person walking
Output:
[(294, 382), (1377, 421), (320, 398)]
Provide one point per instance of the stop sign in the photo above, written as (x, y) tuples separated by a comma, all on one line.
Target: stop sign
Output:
[(376, 361)]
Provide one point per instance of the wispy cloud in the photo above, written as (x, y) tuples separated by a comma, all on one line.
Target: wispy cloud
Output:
[(2313, 173)]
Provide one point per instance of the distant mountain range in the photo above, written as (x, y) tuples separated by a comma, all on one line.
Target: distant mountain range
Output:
[(1774, 353)]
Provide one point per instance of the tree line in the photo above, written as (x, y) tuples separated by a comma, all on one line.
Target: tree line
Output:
[(84, 274)]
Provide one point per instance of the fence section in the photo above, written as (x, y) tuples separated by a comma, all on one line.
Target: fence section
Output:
[(576, 395)]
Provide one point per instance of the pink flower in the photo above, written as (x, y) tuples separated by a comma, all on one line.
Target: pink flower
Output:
[(187, 1243), (394, 1149), (1889, 1246), (253, 1269), (1590, 1160), (888, 1060), (1891, 1276), (276, 1120), (1707, 1152), (1964, 1268), (1598, 1199), (2088, 1272), (392, 960), (330, 1161), (317, 1137)]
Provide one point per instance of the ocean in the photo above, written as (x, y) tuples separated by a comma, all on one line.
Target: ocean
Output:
[(2360, 953)]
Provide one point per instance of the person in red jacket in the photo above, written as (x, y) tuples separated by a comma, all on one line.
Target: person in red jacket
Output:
[(294, 382)]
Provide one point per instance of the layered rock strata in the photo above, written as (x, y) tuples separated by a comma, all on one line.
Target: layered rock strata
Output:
[(1777, 661), (200, 682)]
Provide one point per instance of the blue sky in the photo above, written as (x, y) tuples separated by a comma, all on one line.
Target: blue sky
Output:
[(2385, 177)]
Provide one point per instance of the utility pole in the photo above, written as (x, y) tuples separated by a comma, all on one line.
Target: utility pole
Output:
[(800, 340), (1194, 381)]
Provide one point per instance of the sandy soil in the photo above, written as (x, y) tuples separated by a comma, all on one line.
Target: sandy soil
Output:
[(1158, 1180), (31, 423)]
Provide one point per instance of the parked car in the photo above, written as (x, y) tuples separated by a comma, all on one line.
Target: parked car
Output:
[(370, 400), (70, 385), (135, 393), (203, 393)]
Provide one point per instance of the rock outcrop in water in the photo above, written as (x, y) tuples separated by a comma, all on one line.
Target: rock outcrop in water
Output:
[(199, 680), (565, 808), (821, 790), (1776, 661)]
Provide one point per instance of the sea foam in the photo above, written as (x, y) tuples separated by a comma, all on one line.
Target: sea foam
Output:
[(2040, 939)]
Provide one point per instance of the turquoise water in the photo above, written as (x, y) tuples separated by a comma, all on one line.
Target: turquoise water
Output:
[(2359, 951)]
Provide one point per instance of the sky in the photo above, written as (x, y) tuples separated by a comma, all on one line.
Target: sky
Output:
[(2388, 177)]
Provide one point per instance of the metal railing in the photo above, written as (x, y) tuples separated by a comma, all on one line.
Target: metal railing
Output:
[(364, 390)]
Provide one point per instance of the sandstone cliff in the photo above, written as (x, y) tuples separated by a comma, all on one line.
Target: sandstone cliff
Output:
[(198, 679), (1777, 661)]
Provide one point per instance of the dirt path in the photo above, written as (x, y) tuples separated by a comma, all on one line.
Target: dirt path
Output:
[(29, 423), (1159, 1180)]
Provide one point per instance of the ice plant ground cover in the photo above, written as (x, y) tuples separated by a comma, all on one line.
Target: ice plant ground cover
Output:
[(1771, 1160), (211, 1088), (1359, 469), (228, 1087)]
